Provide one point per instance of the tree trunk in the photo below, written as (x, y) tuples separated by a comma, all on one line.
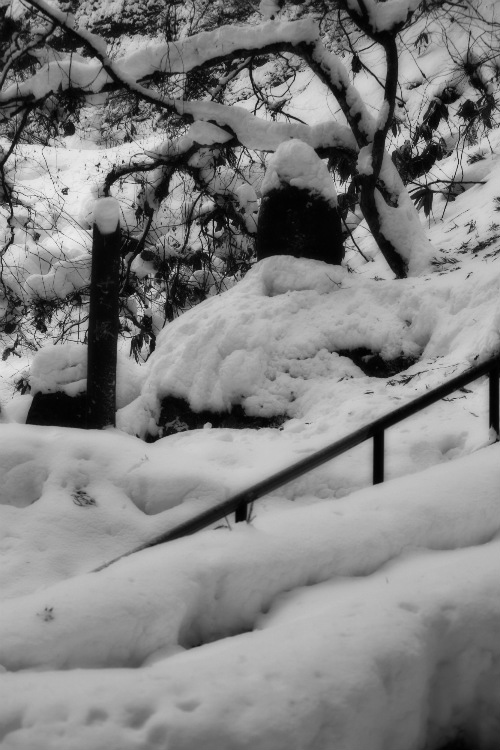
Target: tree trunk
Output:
[(372, 215)]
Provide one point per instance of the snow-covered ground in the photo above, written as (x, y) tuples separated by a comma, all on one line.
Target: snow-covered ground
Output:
[(340, 617), (369, 621), (343, 616)]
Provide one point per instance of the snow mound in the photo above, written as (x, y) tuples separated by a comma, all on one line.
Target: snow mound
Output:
[(60, 368), (63, 368), (271, 344), (372, 612)]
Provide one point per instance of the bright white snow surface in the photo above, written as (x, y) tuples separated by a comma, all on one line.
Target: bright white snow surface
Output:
[(271, 343), (306, 629), (107, 215), (63, 368), (344, 616), (339, 617), (295, 163)]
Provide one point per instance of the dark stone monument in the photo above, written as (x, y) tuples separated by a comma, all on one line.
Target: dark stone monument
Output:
[(295, 221)]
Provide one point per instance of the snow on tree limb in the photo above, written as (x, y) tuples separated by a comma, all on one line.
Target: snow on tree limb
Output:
[(59, 75), (235, 125), (333, 73), (264, 135), (96, 74), (167, 58), (183, 56), (195, 51), (384, 16)]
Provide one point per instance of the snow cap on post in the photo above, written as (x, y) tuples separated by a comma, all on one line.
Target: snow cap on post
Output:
[(107, 215), (296, 163)]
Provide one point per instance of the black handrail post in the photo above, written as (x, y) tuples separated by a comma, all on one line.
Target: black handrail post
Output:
[(494, 385), (103, 327), (240, 514), (378, 457)]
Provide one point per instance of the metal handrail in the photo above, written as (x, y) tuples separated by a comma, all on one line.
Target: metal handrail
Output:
[(239, 502)]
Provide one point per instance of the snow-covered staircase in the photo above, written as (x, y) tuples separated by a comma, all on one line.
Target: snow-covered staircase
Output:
[(370, 621), (240, 502)]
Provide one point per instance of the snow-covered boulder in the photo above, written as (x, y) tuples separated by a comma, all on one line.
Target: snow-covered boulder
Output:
[(58, 381), (295, 334)]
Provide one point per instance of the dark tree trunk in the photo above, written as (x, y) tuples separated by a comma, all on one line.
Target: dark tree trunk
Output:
[(372, 216)]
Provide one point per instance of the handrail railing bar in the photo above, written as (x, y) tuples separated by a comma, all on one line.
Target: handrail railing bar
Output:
[(340, 446), (434, 395), (280, 478), (265, 486)]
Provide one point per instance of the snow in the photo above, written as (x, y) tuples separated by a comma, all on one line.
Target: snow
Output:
[(193, 51), (52, 268), (256, 133), (343, 615), (371, 611), (174, 57), (401, 224), (295, 163), (404, 628), (107, 215), (59, 368), (252, 132), (88, 75), (385, 16), (268, 8), (200, 133), (270, 343), (63, 278), (63, 368)]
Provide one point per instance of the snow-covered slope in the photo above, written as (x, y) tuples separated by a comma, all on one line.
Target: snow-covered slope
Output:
[(388, 637), (343, 616)]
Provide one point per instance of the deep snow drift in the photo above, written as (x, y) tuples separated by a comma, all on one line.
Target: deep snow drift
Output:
[(343, 616), (379, 610), (367, 620)]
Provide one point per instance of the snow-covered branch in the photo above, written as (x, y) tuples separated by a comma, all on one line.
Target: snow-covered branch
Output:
[(166, 58), (382, 17), (101, 73), (222, 124)]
